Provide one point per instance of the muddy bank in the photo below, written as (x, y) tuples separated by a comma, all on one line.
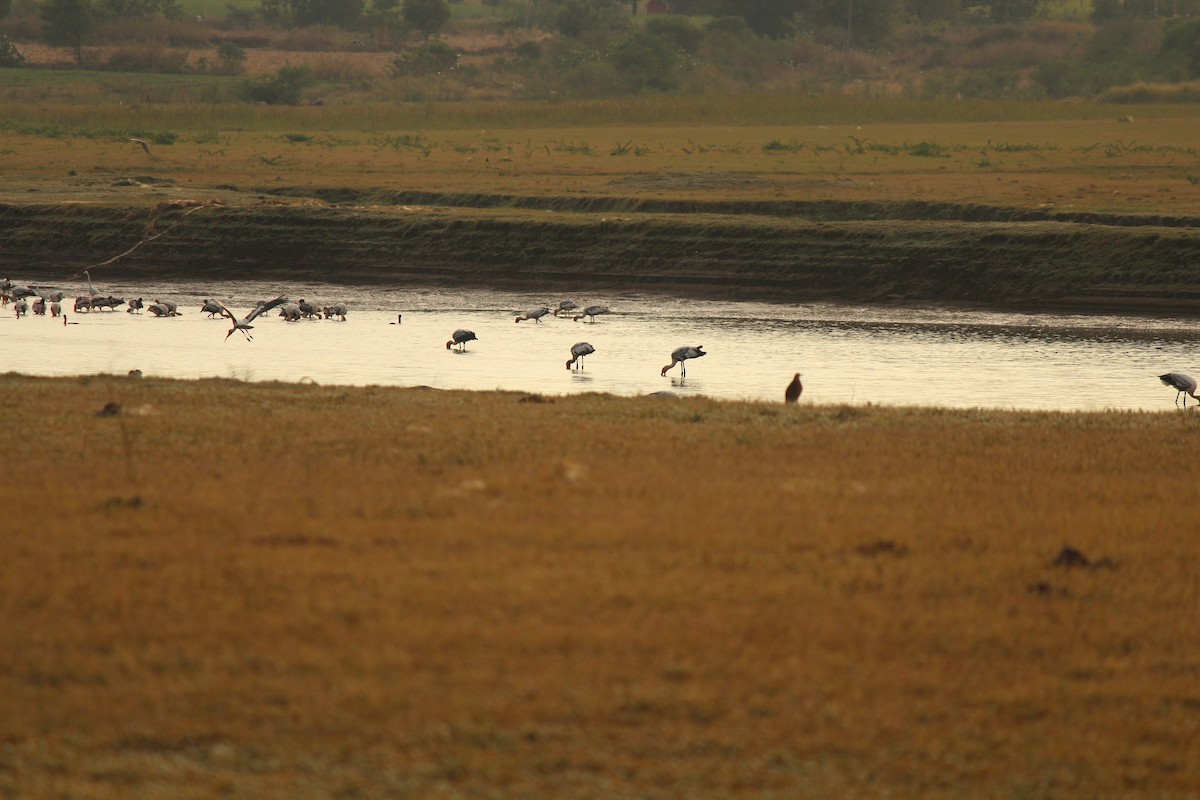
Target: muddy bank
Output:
[(866, 257)]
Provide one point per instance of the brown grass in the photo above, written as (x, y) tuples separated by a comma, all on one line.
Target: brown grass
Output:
[(270, 590), (1070, 165)]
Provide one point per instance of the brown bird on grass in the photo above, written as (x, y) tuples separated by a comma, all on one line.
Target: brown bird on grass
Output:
[(792, 393)]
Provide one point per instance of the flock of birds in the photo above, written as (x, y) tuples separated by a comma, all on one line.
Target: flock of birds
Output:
[(43, 301), (458, 340), (31, 297)]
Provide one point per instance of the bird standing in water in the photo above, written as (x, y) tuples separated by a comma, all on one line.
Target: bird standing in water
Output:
[(578, 351), (1182, 384), (534, 314), (460, 337), (592, 312), (681, 354), (792, 393)]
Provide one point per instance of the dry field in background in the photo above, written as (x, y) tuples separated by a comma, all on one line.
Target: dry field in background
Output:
[(1147, 166), (308, 592)]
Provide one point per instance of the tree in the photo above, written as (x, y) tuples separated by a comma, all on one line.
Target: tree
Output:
[(1182, 41), (299, 13), (141, 9), (283, 89), (683, 34), (426, 16), (646, 61), (771, 18), (71, 23), (866, 22), (590, 19), (342, 13), (1011, 11)]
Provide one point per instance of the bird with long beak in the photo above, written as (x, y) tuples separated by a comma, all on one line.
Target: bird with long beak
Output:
[(681, 354), (578, 351), (243, 324)]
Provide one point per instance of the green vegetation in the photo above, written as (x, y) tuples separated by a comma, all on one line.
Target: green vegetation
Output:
[(572, 49)]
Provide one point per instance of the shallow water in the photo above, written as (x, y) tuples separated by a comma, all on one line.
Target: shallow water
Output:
[(846, 354)]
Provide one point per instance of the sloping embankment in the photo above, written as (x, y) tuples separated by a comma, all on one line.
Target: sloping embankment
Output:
[(850, 252)]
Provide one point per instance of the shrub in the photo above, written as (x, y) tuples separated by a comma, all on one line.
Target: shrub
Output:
[(282, 89), (147, 59), (646, 61), (1152, 93), (428, 58), (10, 54), (683, 34), (341, 70), (314, 38), (233, 58)]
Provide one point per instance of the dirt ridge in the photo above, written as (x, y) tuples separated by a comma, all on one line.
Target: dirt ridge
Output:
[(1023, 263)]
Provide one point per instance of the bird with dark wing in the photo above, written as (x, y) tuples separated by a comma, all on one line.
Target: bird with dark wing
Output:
[(1182, 384), (243, 324), (792, 393)]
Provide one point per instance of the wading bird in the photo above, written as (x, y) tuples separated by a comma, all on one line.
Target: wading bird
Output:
[(460, 337), (1182, 384), (243, 324), (591, 311), (792, 393), (564, 307), (534, 314), (578, 351), (135, 306), (212, 308), (681, 354)]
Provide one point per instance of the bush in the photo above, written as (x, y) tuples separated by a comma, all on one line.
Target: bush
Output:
[(429, 58), (147, 59), (1152, 93), (646, 61), (10, 54), (311, 39), (282, 89), (233, 58), (683, 34)]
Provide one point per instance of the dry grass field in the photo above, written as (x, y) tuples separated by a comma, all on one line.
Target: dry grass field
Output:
[(840, 151), (238, 590)]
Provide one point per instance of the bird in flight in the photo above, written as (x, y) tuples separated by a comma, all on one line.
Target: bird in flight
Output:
[(243, 324), (145, 145)]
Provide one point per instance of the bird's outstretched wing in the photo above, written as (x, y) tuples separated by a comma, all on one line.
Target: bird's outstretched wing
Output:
[(225, 312), (145, 145), (265, 307)]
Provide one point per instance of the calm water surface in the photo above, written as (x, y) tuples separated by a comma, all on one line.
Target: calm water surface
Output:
[(846, 354)]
